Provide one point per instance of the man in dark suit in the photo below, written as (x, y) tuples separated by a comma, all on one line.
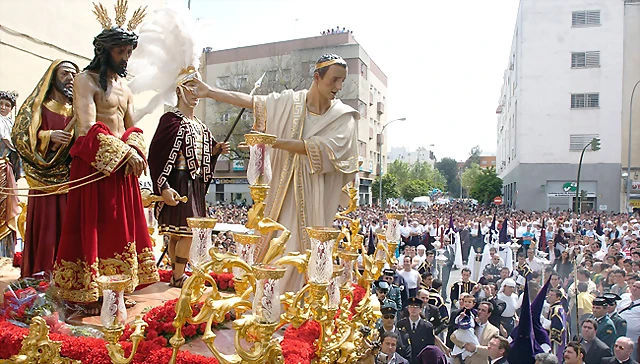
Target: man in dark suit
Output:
[(594, 348), (498, 349), (403, 347), (622, 350), (420, 331)]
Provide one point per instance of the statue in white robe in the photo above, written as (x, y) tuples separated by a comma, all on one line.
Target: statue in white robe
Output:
[(306, 190)]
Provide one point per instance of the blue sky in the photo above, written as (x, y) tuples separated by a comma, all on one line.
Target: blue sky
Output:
[(444, 58)]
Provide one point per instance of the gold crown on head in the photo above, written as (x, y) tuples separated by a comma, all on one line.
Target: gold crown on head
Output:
[(121, 8)]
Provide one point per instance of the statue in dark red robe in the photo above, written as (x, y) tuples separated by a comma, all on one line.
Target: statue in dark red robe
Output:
[(40, 138)]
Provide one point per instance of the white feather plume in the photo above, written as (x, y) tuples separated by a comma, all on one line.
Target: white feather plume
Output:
[(167, 44)]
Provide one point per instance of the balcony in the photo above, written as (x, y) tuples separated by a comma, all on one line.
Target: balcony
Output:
[(380, 107)]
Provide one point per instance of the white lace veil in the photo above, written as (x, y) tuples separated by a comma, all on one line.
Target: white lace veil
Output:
[(168, 45)]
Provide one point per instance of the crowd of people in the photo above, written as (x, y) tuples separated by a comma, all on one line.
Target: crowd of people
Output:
[(590, 305)]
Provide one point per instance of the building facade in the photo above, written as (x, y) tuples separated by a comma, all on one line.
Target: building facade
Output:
[(289, 65), (411, 157), (562, 87), (630, 79)]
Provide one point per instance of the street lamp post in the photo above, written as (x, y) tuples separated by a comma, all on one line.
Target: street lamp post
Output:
[(629, 146), (380, 159), (595, 146)]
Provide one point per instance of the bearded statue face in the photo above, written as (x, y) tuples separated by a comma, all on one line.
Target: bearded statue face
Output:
[(119, 58), (65, 73)]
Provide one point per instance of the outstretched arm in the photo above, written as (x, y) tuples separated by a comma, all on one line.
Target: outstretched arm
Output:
[(202, 90)]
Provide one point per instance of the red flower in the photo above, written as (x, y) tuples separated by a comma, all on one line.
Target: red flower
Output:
[(17, 259)]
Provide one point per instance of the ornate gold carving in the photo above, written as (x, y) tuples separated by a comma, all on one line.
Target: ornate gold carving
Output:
[(201, 222), (323, 233), (125, 264), (116, 353), (136, 18), (38, 348), (256, 212), (77, 281), (22, 220), (121, 8), (259, 138), (110, 153), (340, 341), (391, 215), (137, 140), (102, 15)]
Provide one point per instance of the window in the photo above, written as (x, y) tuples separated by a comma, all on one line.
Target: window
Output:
[(222, 82), (363, 70), (585, 18), (362, 109), (585, 59), (241, 81), (286, 74), (578, 141), (585, 101), (271, 76), (225, 117)]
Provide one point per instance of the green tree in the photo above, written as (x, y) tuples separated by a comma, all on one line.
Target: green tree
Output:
[(449, 169), (400, 170), (487, 186), (423, 171), (415, 188), (470, 175), (390, 188), (474, 157)]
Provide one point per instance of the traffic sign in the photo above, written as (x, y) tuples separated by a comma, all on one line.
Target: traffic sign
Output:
[(497, 200)]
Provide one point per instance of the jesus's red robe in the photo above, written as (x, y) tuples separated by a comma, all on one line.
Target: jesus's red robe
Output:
[(105, 229)]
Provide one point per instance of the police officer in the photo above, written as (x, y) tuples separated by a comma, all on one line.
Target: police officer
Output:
[(388, 321), (606, 329), (397, 293), (382, 291), (618, 322), (420, 331)]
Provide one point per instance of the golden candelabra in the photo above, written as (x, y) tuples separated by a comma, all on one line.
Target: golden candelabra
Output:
[(113, 316), (325, 298)]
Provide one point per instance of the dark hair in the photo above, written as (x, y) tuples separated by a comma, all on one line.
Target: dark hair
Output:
[(584, 272), (620, 271), (465, 269), (329, 57), (592, 322), (576, 347), (103, 43), (489, 305), (391, 334), (436, 283), (582, 287), (426, 275)]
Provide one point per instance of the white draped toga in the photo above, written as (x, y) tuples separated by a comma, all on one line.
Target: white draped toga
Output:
[(306, 189)]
